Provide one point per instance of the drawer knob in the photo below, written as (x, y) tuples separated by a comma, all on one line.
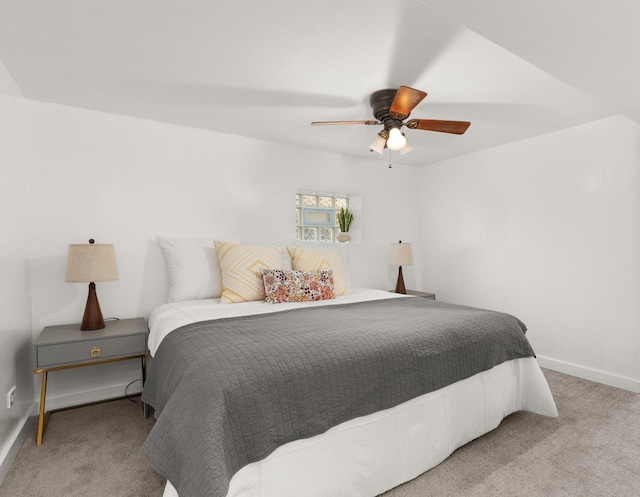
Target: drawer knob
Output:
[(96, 352)]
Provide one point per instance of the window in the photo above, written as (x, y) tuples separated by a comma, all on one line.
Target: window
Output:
[(316, 219)]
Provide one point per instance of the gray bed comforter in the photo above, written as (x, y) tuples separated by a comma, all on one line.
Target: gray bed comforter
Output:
[(228, 392)]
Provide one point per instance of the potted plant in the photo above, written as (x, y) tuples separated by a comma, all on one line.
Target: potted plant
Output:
[(345, 218)]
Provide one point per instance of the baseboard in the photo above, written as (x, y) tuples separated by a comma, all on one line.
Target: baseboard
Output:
[(9, 453), (91, 396), (590, 374)]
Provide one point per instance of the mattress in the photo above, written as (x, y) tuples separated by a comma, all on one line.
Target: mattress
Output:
[(371, 454)]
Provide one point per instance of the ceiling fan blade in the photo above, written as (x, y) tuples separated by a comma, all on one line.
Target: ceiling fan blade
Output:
[(328, 123), (454, 127), (405, 101)]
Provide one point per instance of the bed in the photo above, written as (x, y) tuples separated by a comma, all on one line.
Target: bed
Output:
[(352, 395)]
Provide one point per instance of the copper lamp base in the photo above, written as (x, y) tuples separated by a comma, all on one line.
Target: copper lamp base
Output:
[(400, 283), (92, 319)]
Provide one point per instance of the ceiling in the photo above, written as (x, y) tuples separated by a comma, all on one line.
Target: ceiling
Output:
[(267, 69)]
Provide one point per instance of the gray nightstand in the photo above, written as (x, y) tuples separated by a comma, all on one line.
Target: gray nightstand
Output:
[(424, 295), (67, 346)]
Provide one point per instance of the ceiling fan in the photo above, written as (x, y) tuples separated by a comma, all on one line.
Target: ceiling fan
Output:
[(391, 107)]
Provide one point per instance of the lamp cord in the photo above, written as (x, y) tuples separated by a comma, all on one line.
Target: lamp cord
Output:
[(131, 397)]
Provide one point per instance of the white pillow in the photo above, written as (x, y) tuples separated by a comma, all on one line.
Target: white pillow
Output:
[(193, 268)]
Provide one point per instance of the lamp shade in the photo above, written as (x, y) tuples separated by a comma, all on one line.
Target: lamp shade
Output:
[(406, 149), (91, 262), (400, 254), (378, 144)]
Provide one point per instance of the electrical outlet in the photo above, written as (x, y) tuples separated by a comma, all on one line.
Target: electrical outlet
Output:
[(11, 397)]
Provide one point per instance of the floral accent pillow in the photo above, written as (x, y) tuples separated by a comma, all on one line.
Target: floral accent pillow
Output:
[(297, 286)]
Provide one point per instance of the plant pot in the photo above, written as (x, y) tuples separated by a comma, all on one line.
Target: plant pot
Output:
[(344, 237)]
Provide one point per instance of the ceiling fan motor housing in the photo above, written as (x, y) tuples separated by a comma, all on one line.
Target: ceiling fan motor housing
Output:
[(381, 102)]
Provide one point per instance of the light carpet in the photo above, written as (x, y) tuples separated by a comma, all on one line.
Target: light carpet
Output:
[(591, 450)]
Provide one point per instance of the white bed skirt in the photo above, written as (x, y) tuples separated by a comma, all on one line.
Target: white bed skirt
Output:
[(369, 455)]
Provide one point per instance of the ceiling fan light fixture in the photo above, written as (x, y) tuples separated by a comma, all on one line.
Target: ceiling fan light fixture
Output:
[(396, 140), (407, 148), (391, 107), (378, 144)]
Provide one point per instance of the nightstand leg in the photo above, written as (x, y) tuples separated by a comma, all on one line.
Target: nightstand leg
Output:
[(144, 370), (42, 418), (145, 407)]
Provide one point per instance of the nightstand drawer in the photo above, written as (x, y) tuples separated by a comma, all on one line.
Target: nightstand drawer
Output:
[(66, 353)]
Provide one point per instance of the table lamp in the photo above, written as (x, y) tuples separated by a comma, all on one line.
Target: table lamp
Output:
[(400, 255), (88, 263)]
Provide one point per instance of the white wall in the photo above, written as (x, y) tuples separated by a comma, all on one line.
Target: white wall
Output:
[(547, 229), (15, 326), (122, 180)]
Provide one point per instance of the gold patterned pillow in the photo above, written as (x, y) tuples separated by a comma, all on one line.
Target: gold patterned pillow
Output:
[(317, 259), (241, 267)]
